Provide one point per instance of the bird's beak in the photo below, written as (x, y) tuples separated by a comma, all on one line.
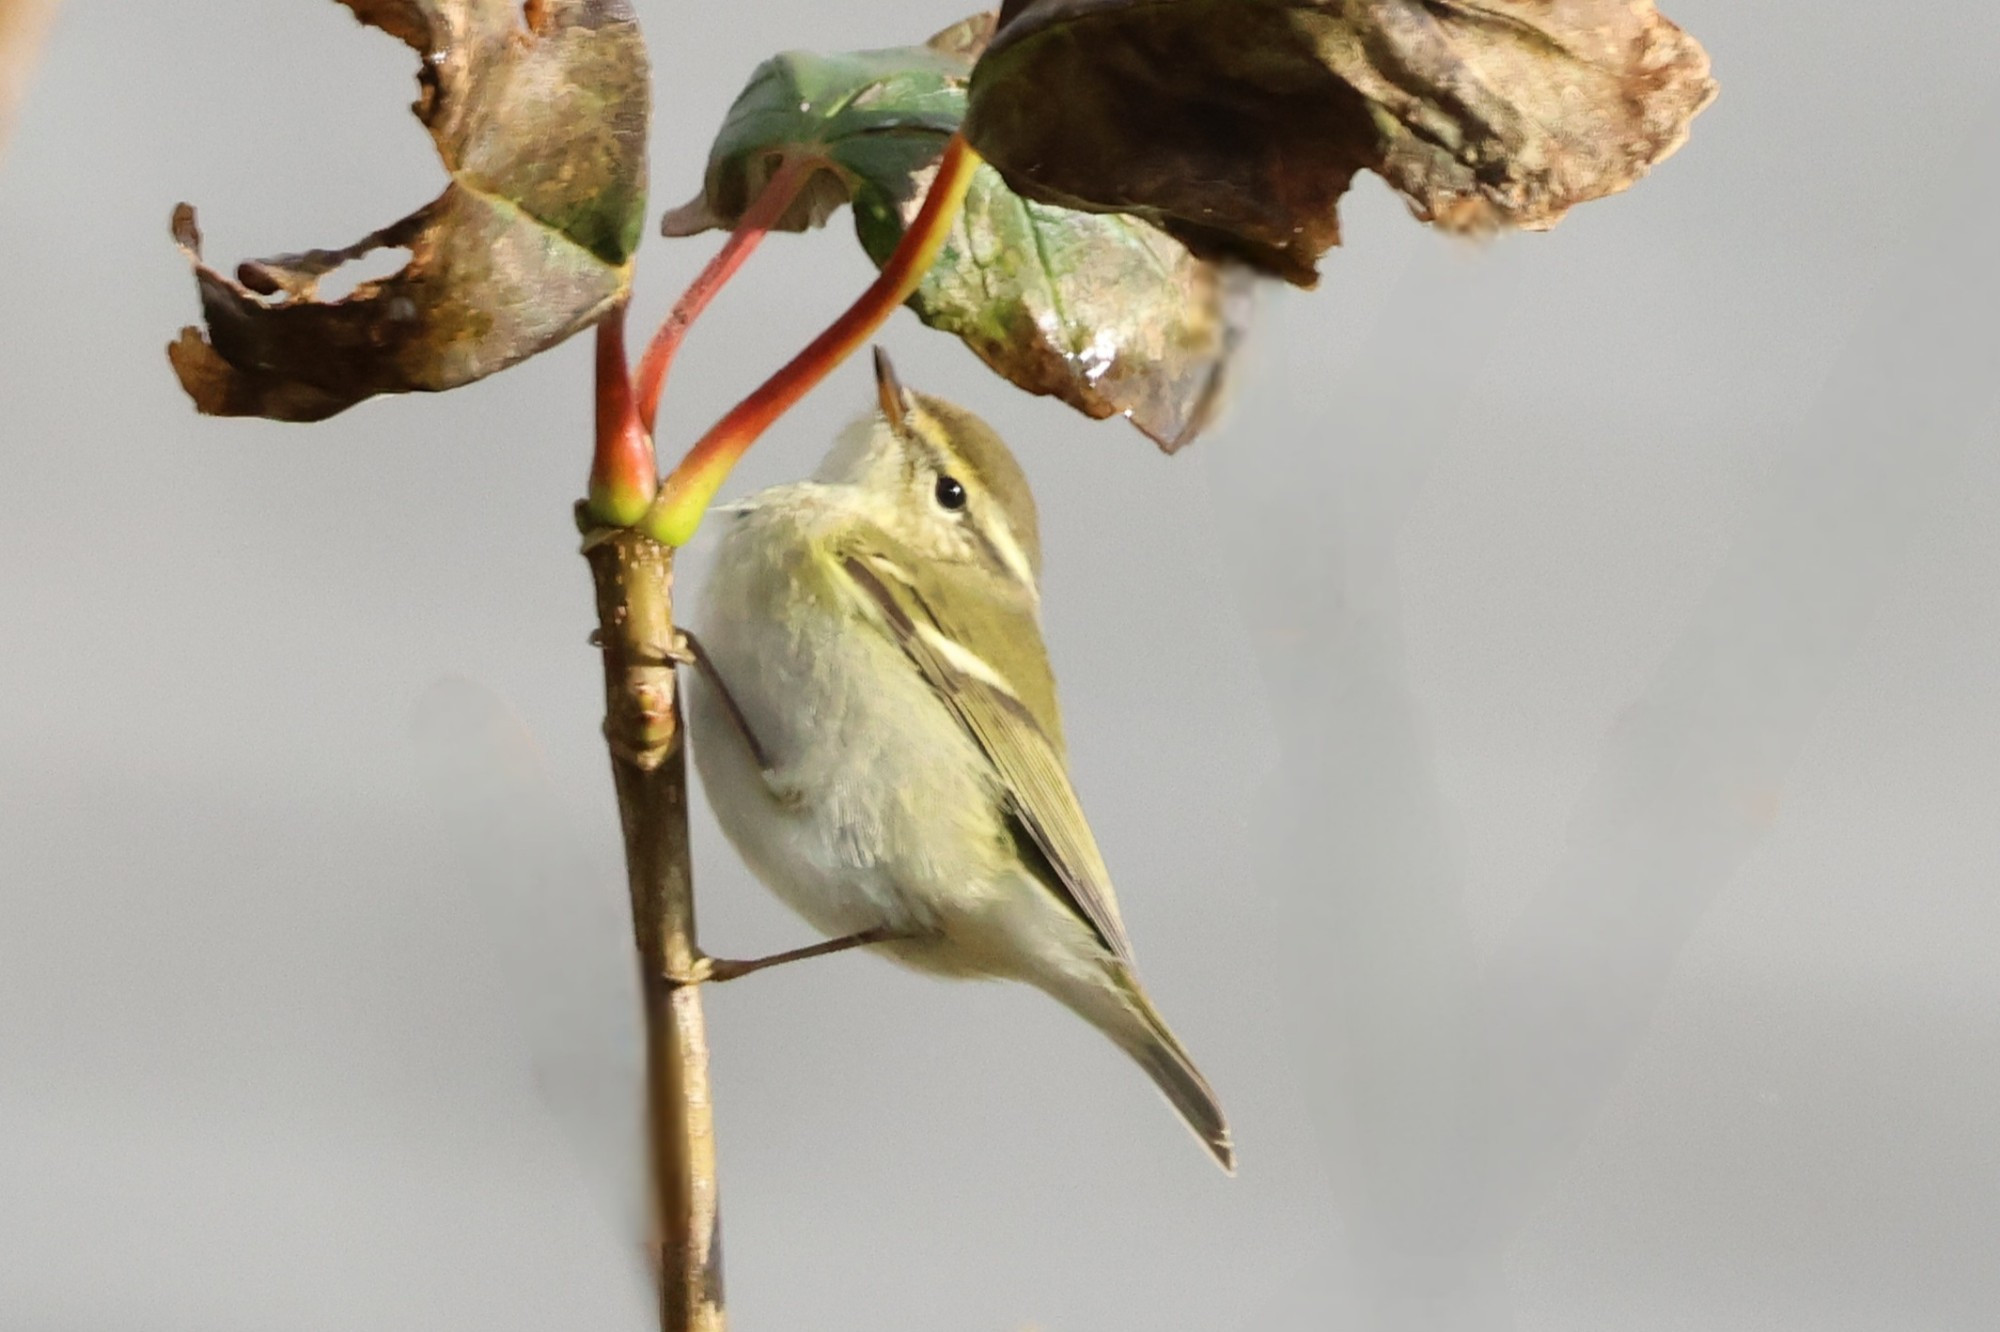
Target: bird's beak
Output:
[(895, 399)]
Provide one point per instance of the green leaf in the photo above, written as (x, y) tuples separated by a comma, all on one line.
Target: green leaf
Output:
[(861, 115), (540, 118), (1108, 313), (1104, 311)]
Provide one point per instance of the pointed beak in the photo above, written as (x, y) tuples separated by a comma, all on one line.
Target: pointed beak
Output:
[(889, 390)]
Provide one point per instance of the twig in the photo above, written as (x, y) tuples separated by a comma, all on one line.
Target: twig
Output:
[(642, 726)]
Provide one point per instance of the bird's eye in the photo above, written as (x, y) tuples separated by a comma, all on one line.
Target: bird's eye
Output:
[(950, 494)]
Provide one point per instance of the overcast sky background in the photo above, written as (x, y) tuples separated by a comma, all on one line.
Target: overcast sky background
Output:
[(1545, 740)]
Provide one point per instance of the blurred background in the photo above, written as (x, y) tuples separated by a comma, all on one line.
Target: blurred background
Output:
[(1545, 740)]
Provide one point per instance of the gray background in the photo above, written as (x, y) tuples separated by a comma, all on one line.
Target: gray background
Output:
[(1545, 740)]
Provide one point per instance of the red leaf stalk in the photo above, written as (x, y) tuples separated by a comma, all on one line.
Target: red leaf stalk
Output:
[(623, 474), (756, 223), (685, 494)]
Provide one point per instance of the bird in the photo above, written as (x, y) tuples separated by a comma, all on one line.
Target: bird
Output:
[(875, 723)]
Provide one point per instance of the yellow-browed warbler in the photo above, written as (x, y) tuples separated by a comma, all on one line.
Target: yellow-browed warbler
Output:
[(877, 730)]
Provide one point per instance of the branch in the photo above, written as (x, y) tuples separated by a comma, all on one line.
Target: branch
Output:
[(642, 727)]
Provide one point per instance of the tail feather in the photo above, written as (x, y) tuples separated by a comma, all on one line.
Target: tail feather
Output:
[(1131, 1020), (1189, 1094)]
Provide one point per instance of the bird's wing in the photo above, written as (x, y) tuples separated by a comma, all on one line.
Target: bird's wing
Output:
[(1015, 725)]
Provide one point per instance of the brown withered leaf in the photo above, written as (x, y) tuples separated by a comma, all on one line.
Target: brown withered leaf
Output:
[(540, 118), (1238, 124)]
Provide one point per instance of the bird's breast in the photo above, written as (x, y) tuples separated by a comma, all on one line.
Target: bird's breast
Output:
[(878, 808)]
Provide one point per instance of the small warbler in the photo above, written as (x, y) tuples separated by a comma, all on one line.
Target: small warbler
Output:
[(875, 724)]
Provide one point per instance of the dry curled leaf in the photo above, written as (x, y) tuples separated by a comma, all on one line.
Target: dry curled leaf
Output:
[(1108, 313), (540, 118), (1238, 124)]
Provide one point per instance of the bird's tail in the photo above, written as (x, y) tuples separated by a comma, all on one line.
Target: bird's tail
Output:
[(1121, 1010)]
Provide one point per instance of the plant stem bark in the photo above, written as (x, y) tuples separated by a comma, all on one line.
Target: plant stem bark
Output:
[(642, 727)]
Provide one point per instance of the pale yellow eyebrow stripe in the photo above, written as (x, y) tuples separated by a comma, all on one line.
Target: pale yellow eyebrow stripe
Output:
[(998, 533)]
